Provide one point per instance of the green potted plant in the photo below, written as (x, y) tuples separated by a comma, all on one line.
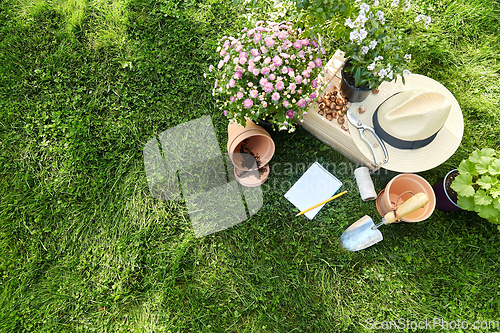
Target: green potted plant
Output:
[(268, 72), (378, 38), (478, 184)]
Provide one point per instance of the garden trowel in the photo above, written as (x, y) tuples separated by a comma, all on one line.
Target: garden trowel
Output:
[(364, 233)]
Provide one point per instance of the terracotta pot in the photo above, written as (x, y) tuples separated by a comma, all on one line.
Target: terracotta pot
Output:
[(252, 178), (404, 183), (352, 93), (259, 142), (443, 200)]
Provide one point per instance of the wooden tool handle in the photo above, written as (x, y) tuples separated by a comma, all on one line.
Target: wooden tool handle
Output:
[(419, 200)]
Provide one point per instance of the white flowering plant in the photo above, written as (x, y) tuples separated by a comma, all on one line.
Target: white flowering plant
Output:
[(377, 39), (267, 73)]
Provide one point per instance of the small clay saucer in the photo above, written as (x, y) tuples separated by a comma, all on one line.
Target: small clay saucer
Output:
[(249, 178)]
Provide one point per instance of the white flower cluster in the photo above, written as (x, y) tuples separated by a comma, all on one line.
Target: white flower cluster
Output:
[(407, 5), (426, 19), (380, 16), (386, 72), (372, 37), (359, 32), (365, 49)]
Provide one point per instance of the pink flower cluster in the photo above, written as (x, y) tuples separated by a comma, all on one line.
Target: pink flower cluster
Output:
[(267, 71)]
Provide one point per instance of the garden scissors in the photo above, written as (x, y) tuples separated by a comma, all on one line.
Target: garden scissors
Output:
[(361, 128)]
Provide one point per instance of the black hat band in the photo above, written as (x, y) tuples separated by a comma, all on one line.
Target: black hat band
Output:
[(395, 142)]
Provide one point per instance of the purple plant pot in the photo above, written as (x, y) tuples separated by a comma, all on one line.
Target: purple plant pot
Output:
[(443, 200)]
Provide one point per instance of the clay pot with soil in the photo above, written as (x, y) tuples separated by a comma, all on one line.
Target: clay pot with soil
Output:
[(250, 149), (446, 197), (400, 189)]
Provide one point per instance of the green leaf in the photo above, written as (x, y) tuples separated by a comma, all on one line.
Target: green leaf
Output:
[(467, 166), (475, 156), (494, 168), (495, 192), (357, 75), (466, 203), (488, 152), (486, 182), (483, 165), (463, 185), (495, 219), (482, 198), (487, 212), (496, 203)]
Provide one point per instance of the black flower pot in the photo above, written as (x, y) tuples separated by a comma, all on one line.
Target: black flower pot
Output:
[(352, 93), (270, 128)]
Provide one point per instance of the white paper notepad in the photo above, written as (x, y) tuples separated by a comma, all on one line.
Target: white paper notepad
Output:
[(315, 185)]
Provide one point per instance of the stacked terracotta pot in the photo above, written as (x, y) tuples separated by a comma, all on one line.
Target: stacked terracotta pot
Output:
[(250, 148), (400, 189)]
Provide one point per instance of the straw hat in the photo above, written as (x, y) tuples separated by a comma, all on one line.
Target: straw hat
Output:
[(420, 123)]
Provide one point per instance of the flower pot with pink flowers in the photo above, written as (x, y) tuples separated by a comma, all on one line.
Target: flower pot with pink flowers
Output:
[(267, 72)]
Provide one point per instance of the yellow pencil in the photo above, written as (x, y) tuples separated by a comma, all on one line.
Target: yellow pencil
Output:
[(322, 202)]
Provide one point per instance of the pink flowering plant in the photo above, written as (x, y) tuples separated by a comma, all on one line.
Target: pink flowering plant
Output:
[(267, 73), (377, 37)]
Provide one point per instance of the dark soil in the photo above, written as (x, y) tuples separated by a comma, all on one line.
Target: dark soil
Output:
[(451, 193), (245, 174), (270, 128), (248, 162), (349, 78)]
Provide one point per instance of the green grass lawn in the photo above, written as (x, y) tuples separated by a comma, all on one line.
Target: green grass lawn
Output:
[(84, 247)]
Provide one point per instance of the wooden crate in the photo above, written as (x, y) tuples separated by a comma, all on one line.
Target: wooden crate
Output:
[(330, 132)]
